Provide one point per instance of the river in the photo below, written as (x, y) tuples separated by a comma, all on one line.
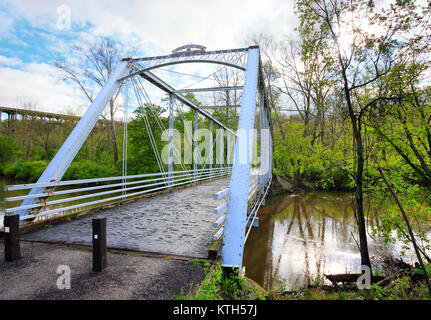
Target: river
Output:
[(303, 236)]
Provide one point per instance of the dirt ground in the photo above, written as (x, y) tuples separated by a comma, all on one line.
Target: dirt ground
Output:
[(127, 277)]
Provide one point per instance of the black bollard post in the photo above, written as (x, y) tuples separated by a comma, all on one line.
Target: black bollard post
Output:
[(99, 243), (12, 250)]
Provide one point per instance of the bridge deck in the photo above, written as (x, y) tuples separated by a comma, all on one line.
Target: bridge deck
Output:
[(178, 223)]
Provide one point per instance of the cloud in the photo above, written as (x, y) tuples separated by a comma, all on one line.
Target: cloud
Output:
[(12, 62), (167, 24), (6, 23), (150, 27), (39, 84)]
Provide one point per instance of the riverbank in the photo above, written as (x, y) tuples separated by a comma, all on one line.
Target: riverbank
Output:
[(403, 283)]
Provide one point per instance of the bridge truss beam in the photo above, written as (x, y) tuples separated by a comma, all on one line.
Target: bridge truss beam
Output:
[(249, 182), (209, 89), (61, 161), (235, 58), (237, 207)]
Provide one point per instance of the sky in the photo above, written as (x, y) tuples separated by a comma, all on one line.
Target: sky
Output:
[(33, 34)]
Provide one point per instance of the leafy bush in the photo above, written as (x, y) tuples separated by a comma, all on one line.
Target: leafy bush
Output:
[(87, 170), (7, 149), (25, 171), (301, 160), (31, 170), (334, 179)]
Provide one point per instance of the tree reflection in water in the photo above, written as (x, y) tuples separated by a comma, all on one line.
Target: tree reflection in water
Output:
[(301, 237)]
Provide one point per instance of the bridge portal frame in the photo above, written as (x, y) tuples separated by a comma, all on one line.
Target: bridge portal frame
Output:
[(247, 59), (127, 68)]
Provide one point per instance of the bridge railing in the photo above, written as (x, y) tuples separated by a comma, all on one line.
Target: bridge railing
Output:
[(83, 194), (250, 180), (256, 198)]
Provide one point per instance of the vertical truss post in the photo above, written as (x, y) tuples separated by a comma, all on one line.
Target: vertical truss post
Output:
[(171, 138), (268, 176), (195, 147), (228, 155), (270, 145), (220, 147), (211, 156), (270, 152), (262, 129), (235, 223), (58, 166), (126, 109)]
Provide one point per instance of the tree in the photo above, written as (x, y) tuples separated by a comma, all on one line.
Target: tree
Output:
[(7, 149), (142, 154), (90, 69), (362, 46), (404, 124)]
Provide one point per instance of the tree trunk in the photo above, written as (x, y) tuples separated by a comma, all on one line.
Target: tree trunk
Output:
[(365, 257), (360, 219), (409, 228)]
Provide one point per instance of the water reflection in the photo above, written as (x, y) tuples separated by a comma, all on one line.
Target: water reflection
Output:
[(303, 236)]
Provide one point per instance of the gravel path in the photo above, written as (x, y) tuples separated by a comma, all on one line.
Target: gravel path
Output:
[(178, 223), (34, 276)]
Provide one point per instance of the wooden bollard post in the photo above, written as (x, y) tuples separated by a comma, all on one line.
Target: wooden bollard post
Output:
[(99, 243), (12, 250)]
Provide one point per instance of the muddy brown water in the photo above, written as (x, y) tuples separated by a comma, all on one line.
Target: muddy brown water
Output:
[(303, 236)]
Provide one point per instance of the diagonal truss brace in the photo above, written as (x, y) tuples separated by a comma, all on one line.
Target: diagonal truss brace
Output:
[(149, 76), (61, 161)]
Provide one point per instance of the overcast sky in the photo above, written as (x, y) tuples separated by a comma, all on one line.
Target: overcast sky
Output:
[(35, 33)]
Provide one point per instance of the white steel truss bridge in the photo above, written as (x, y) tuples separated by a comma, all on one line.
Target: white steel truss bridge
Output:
[(244, 153)]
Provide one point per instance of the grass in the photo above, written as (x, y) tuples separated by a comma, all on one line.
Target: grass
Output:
[(199, 263), (402, 288), (221, 285)]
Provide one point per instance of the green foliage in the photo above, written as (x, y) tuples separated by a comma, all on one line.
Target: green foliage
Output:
[(199, 263), (30, 171), (420, 271), (7, 149), (209, 288), (86, 170), (402, 288), (322, 164), (26, 153), (141, 157), (416, 201), (25, 171), (218, 285), (310, 294), (334, 179)]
